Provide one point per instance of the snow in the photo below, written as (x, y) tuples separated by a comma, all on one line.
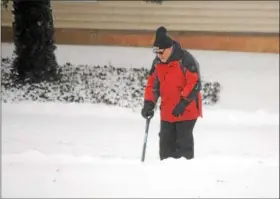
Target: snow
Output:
[(94, 150), (245, 76)]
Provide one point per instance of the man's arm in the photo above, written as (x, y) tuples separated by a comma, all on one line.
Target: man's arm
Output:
[(152, 88), (193, 82)]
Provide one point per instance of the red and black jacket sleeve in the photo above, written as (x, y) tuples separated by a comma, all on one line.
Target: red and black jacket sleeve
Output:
[(192, 74), (152, 87)]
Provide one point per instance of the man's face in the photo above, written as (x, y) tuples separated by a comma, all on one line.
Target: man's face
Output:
[(162, 54)]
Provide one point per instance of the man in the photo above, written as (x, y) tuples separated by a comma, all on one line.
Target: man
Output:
[(175, 78)]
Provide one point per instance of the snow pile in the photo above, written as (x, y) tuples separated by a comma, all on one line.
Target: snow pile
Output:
[(47, 145), (90, 84)]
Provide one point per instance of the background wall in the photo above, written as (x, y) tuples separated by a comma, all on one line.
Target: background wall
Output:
[(208, 25)]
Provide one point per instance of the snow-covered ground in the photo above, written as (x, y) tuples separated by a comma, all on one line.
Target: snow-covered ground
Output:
[(89, 150)]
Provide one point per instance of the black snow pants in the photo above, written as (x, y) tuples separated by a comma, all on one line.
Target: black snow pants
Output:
[(176, 139)]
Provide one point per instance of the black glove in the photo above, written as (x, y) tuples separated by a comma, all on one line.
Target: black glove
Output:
[(148, 109), (180, 107)]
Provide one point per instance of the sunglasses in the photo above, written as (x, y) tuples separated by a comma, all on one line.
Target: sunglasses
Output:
[(158, 51)]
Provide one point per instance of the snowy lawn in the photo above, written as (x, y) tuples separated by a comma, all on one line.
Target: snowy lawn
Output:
[(94, 150), (60, 150)]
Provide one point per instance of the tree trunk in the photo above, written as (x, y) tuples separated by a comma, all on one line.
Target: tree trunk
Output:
[(33, 30)]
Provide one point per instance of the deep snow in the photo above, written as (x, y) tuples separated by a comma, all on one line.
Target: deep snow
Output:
[(90, 150)]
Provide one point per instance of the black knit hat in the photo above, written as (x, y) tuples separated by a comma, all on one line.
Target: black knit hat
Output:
[(162, 40)]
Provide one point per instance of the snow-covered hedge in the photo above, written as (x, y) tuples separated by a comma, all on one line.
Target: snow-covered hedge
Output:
[(92, 84)]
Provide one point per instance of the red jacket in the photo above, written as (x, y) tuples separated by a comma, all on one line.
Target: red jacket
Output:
[(177, 78)]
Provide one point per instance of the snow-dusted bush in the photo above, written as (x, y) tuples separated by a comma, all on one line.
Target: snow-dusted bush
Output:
[(92, 84)]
